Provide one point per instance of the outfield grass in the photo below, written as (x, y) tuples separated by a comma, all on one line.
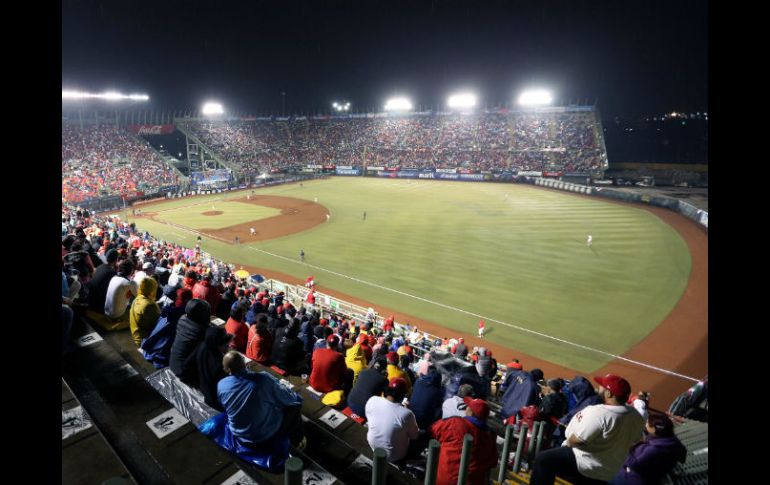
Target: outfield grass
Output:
[(512, 253)]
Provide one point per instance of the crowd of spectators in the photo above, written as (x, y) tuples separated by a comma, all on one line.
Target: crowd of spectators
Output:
[(524, 141), (391, 376), (103, 160)]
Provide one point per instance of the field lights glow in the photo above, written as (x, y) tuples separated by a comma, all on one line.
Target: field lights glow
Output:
[(535, 97), (462, 100), (211, 108), (341, 106), (398, 104), (108, 96)]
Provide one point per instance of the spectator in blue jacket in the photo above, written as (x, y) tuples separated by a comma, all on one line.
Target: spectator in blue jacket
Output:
[(520, 389), (258, 408), (427, 398)]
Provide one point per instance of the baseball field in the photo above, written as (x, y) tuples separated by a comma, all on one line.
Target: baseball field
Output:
[(446, 254)]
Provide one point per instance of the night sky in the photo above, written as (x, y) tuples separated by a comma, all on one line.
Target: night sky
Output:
[(636, 58)]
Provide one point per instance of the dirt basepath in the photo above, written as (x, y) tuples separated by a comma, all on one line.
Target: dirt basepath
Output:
[(679, 343)]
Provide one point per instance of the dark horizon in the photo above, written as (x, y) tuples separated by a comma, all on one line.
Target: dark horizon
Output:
[(634, 59)]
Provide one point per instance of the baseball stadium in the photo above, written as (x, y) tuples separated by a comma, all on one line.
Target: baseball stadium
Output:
[(469, 293)]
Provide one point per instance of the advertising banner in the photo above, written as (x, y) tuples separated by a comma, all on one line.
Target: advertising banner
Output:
[(530, 173), (446, 170), (151, 129), (342, 171), (345, 167), (553, 174), (375, 169)]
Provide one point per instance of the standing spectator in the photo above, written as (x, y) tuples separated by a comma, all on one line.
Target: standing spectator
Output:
[(451, 432), (144, 312), (654, 456), (391, 425), (258, 408), (598, 439)]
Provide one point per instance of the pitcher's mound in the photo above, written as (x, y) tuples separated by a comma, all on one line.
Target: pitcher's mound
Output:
[(212, 213)]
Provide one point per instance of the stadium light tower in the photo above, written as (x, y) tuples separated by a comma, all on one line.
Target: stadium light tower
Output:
[(462, 101), (398, 104), (535, 97), (341, 107), (212, 109)]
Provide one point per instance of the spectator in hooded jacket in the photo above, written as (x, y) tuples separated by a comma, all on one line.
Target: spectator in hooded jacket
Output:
[(451, 432), (260, 342), (584, 394), (190, 331), (427, 398), (208, 357), (355, 359), (520, 389), (552, 408), (371, 381), (144, 312), (287, 352), (395, 371), (654, 456)]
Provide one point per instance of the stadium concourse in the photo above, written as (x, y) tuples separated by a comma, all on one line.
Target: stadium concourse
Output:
[(124, 291)]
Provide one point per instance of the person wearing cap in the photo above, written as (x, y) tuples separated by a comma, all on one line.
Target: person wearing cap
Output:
[(355, 359), (395, 371), (208, 357), (651, 459), (259, 409), (100, 281), (144, 311), (640, 401), (584, 395), (451, 433), (391, 425), (190, 331), (553, 406), (460, 350), (147, 270), (598, 439), (329, 371), (372, 381), (520, 389)]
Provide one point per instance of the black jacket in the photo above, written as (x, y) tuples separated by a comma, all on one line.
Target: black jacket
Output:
[(190, 331), (288, 353), (208, 359), (97, 287), (370, 382)]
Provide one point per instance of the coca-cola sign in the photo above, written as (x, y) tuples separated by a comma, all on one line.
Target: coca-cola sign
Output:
[(151, 129)]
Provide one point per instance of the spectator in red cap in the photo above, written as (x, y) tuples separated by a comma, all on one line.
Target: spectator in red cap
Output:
[(598, 439), (450, 433), (460, 350), (391, 425)]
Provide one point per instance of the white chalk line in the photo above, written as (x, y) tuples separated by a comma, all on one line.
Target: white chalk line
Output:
[(540, 334)]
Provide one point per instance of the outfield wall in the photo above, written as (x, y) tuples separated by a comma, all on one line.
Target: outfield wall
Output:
[(691, 212)]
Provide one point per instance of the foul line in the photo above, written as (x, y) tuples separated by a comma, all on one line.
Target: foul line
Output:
[(584, 347)]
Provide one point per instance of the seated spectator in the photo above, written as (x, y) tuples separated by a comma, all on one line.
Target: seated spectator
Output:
[(120, 289), (427, 398), (395, 371), (468, 375), (260, 343), (236, 327), (583, 394), (598, 439), (97, 294), (259, 409), (640, 402), (204, 290), (328, 371), (520, 389), (144, 312), (456, 405), (190, 331), (175, 310), (371, 381), (391, 425), (208, 357), (355, 359), (287, 352), (552, 408), (451, 433), (651, 459), (460, 350)]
